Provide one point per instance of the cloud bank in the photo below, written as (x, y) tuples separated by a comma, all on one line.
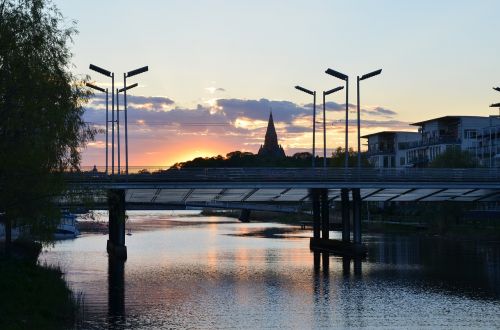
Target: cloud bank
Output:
[(236, 124)]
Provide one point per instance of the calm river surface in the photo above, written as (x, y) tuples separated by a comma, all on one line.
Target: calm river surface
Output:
[(212, 272)]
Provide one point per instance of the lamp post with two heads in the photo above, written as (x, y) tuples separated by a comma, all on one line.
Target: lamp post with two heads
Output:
[(313, 93), (325, 93), (345, 78), (496, 105), (112, 76), (124, 89), (363, 77), (97, 88)]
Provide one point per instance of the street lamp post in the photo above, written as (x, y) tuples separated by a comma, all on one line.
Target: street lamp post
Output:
[(363, 77), (125, 88), (495, 105), (344, 77), (325, 93), (112, 76), (313, 93), (117, 121), (118, 128), (107, 95)]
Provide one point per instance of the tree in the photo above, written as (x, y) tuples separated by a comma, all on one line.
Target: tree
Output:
[(454, 158), (338, 158), (41, 126)]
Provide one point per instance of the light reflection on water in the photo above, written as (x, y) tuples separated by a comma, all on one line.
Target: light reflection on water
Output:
[(202, 276)]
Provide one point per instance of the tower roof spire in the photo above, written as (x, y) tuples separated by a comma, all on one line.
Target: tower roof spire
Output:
[(271, 146)]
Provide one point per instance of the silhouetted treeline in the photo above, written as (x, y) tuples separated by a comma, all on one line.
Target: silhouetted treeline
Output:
[(248, 159)]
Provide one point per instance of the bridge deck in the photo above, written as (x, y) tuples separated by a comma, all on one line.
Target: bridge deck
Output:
[(291, 185)]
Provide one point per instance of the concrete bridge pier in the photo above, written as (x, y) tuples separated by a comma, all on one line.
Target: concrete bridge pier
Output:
[(244, 215), (116, 242), (316, 206), (346, 223), (325, 214), (356, 215), (321, 221)]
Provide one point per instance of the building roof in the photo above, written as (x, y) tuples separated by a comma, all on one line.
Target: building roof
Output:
[(387, 133), (445, 117), (271, 148)]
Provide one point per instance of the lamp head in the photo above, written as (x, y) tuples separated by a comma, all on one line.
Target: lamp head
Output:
[(100, 70), (336, 89), (337, 74), (95, 87), (137, 71), (127, 88), (305, 90), (371, 74)]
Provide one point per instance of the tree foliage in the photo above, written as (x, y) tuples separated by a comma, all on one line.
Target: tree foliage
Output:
[(338, 158), (41, 125), (454, 158), (248, 159)]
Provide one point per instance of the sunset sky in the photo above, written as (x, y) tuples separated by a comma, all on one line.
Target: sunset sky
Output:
[(218, 67)]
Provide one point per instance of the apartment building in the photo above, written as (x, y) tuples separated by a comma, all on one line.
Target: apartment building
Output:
[(478, 135), (383, 148), (440, 134)]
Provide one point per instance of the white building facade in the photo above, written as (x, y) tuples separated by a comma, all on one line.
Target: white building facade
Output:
[(383, 148), (480, 136), (440, 134)]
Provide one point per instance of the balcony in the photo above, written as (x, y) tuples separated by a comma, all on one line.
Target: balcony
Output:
[(421, 160), (428, 142), (383, 151)]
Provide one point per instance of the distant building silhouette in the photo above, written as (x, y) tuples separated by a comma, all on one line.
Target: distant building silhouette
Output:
[(271, 148)]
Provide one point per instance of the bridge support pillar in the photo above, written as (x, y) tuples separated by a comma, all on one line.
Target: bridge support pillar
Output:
[(325, 215), (244, 215), (116, 206), (356, 215), (346, 225), (342, 247), (316, 213)]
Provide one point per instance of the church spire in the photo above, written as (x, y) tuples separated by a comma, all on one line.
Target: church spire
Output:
[(271, 137), (271, 148)]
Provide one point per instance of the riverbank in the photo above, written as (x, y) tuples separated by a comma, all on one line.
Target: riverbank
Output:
[(262, 216), (33, 296), (448, 231)]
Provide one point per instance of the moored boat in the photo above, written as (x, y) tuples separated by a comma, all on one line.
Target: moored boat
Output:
[(68, 227)]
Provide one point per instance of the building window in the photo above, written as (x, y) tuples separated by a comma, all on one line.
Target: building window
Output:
[(470, 134), (401, 161)]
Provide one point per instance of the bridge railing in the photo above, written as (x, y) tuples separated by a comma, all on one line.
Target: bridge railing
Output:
[(274, 174)]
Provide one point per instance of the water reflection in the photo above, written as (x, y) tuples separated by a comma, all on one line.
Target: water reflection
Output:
[(466, 266), (202, 276), (116, 293)]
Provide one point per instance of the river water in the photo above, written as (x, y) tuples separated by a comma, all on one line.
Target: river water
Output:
[(215, 272)]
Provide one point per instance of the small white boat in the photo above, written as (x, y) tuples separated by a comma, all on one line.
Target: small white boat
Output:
[(67, 228)]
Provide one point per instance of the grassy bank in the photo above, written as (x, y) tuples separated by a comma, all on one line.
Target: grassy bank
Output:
[(33, 296)]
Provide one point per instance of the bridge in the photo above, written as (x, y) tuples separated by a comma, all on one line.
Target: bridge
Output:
[(254, 188)]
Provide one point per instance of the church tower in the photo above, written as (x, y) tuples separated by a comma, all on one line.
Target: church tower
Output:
[(271, 148)]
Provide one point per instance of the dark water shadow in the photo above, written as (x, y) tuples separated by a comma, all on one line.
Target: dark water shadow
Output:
[(116, 293), (469, 267)]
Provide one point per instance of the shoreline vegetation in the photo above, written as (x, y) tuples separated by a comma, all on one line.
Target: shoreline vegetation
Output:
[(34, 296), (379, 223), (464, 230)]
